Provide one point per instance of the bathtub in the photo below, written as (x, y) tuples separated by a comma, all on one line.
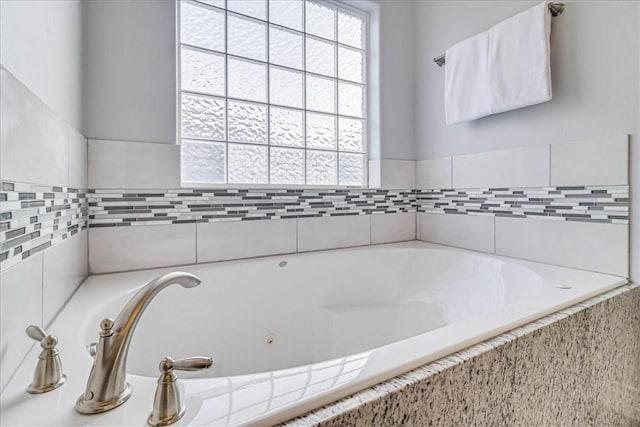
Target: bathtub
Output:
[(291, 333)]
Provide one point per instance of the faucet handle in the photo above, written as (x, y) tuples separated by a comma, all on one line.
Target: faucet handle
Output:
[(189, 364), (167, 403), (48, 374), (36, 333)]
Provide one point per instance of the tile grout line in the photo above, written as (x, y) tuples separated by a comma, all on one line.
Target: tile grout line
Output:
[(495, 232)]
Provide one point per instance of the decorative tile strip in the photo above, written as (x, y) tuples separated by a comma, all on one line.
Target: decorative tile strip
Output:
[(110, 208), (36, 217), (604, 204)]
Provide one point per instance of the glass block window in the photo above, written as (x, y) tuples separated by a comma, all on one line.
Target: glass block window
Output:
[(272, 92)]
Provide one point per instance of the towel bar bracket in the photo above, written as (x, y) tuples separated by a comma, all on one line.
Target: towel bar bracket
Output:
[(556, 9)]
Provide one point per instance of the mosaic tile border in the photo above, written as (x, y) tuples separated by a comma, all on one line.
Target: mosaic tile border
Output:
[(35, 217), (327, 412), (603, 204), (111, 208)]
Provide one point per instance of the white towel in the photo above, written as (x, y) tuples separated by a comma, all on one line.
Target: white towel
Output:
[(519, 60), (466, 89), (504, 68)]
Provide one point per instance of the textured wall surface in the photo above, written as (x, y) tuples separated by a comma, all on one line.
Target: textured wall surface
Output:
[(577, 367)]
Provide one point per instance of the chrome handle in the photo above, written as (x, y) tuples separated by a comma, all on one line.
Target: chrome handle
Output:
[(189, 364), (168, 406), (48, 373), (36, 333)]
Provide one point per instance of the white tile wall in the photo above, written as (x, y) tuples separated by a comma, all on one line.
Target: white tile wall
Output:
[(588, 246), (434, 173), (375, 174), (219, 241), (37, 147), (20, 306), (602, 161), (473, 232), (129, 248), (65, 268), (122, 164), (392, 174), (333, 232), (33, 142), (397, 174), (521, 167), (396, 227), (77, 160)]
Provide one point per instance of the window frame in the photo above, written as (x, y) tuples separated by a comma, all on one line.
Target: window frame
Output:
[(370, 84)]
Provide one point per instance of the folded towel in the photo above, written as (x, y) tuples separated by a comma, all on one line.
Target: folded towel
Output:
[(504, 68), (519, 66), (466, 90)]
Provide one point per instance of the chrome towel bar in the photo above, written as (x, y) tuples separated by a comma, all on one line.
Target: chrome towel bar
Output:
[(555, 9)]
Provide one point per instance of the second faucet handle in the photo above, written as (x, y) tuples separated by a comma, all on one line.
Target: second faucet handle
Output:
[(167, 403), (48, 373), (189, 364), (36, 333)]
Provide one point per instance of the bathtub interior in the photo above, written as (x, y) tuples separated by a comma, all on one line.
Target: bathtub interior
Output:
[(260, 315)]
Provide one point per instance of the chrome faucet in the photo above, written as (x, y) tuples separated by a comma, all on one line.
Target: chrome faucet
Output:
[(107, 387)]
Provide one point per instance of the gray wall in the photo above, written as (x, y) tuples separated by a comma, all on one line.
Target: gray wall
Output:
[(595, 74), (396, 79), (130, 70), (130, 62), (40, 44)]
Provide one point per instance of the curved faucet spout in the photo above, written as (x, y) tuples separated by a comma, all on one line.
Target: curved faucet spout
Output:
[(130, 313), (107, 387)]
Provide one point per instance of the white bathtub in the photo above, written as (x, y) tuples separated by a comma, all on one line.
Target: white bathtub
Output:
[(286, 339)]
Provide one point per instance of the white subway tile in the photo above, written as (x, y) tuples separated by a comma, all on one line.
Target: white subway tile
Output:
[(121, 164), (590, 246), (226, 240), (433, 173), (33, 141), (603, 161), (397, 174), (375, 177), (20, 306), (134, 247), (473, 232), (77, 160), (65, 268), (519, 167), (394, 227), (333, 232)]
